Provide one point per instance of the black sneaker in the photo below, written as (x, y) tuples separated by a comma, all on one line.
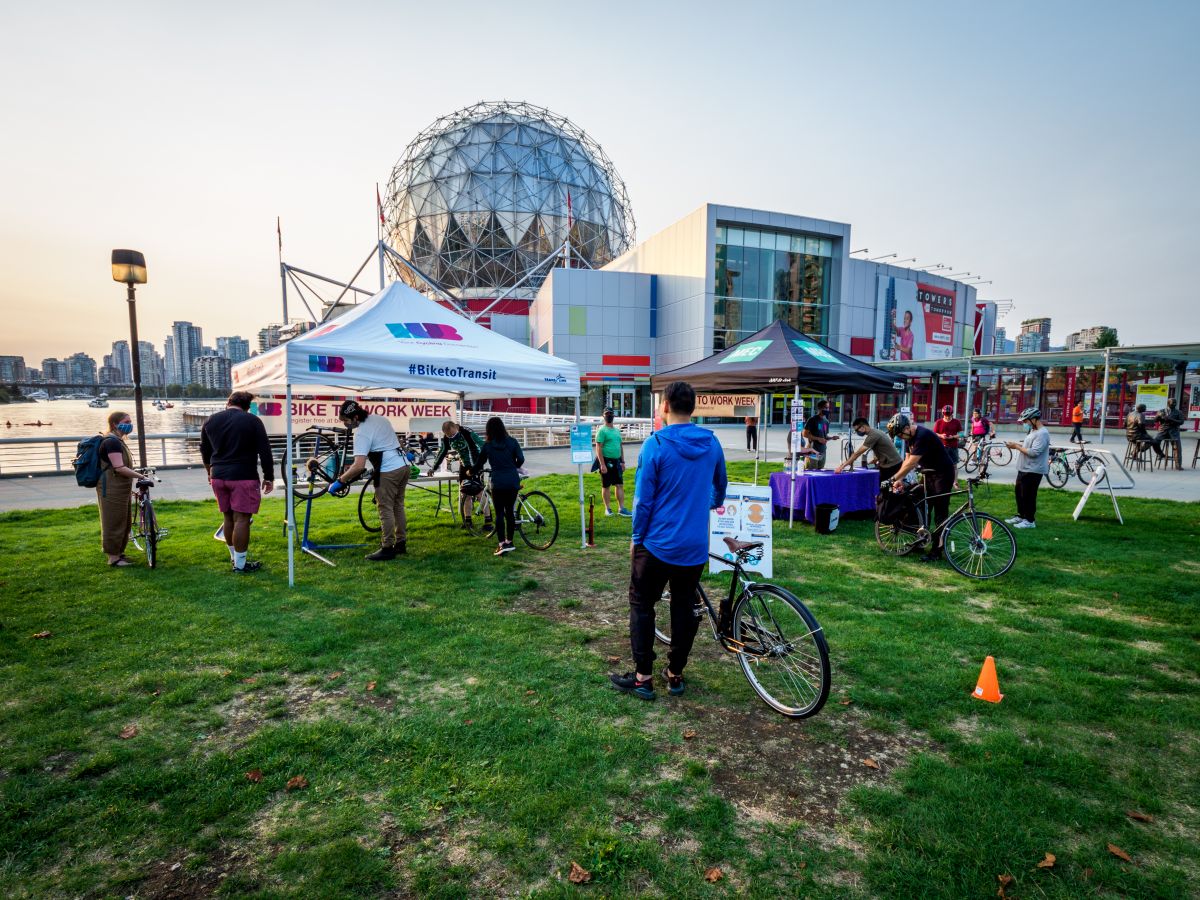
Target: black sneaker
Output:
[(251, 566), (930, 557), (381, 554), (629, 683), (675, 685)]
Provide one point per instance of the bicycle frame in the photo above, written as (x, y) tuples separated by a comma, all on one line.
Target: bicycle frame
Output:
[(738, 585)]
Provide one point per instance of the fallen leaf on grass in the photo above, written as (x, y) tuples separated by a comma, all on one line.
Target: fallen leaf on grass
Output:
[(578, 874), (613, 660), (713, 875), (370, 685), (335, 676), (254, 775), (1119, 853), (155, 692), (1139, 816), (530, 692), (689, 734), (127, 732), (1005, 882), (804, 865), (1048, 862), (847, 701), (41, 634), (296, 783), (870, 763)]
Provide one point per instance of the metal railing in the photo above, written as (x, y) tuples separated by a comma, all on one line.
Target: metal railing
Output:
[(47, 456)]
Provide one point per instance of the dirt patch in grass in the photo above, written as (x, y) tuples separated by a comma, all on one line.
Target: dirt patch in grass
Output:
[(174, 879)]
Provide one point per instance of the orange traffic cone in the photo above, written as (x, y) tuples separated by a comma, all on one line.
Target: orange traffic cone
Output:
[(988, 688)]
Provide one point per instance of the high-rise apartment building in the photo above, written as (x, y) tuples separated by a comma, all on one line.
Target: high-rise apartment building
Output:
[(235, 349), (268, 338), (123, 361), (211, 372), (1085, 338), (189, 344), (55, 371), (81, 369), (153, 374), (1034, 337), (170, 363), (12, 370)]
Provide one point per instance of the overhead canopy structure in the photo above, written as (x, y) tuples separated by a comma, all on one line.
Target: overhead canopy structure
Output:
[(779, 358), (403, 342), (1168, 354)]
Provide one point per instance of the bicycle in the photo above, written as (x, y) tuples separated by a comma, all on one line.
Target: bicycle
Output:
[(975, 543), (779, 644), (318, 459), (977, 451), (536, 515), (1061, 466), (145, 531)]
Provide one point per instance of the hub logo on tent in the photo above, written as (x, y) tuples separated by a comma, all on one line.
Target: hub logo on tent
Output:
[(267, 409), (745, 352), (424, 331), (326, 364)]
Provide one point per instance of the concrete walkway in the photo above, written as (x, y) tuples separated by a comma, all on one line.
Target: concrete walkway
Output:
[(61, 491)]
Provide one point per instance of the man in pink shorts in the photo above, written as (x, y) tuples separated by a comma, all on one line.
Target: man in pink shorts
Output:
[(233, 444)]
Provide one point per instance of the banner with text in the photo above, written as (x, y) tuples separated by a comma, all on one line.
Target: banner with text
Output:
[(913, 320), (726, 404), (746, 516), (1153, 395), (306, 413)]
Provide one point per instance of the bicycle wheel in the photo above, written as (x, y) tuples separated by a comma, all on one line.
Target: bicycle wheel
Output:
[(1087, 468), (1059, 472), (1000, 455), (476, 513), (897, 540), (662, 624), (537, 520), (314, 465), (846, 448), (782, 651), (148, 525), (368, 508), (979, 545)]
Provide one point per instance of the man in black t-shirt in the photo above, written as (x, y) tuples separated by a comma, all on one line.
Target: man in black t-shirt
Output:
[(925, 449), (232, 444), (816, 432)]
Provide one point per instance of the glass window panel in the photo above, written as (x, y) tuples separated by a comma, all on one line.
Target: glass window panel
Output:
[(797, 243), (737, 237), (721, 270), (766, 274), (780, 277), (812, 245), (720, 234), (750, 239), (750, 275), (733, 271), (826, 247)]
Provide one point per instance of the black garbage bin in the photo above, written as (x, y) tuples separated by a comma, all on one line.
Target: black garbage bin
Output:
[(827, 516)]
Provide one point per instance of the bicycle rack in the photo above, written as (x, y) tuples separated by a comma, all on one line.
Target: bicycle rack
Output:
[(307, 545)]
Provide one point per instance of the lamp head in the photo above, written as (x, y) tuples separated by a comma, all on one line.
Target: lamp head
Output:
[(129, 266)]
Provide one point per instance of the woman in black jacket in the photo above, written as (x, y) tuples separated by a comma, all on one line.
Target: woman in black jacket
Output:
[(504, 456)]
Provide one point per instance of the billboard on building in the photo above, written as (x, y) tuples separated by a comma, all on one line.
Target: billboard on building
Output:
[(913, 320)]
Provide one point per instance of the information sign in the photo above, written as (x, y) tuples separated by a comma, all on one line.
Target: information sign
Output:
[(746, 516), (581, 444)]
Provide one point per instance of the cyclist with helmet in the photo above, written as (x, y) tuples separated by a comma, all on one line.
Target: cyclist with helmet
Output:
[(924, 449), (375, 440), (1033, 463), (948, 429), (468, 445)]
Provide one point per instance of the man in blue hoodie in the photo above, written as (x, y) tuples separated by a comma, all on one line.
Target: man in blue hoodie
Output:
[(680, 477)]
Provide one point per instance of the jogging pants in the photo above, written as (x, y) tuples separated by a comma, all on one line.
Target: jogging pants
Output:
[(648, 575), (505, 515), (1026, 489), (1076, 433)]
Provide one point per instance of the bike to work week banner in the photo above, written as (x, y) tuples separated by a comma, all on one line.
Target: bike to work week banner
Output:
[(404, 414)]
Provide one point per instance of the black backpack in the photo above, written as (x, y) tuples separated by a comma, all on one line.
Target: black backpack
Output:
[(88, 462)]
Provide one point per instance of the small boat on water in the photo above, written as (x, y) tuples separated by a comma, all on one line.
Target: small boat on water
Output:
[(98, 403)]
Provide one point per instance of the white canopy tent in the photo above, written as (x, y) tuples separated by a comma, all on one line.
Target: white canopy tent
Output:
[(402, 342)]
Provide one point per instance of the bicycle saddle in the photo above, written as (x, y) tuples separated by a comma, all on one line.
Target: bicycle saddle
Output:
[(739, 546)]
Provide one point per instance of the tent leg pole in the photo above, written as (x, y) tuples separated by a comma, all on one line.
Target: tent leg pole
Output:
[(579, 468), (291, 497), (795, 440), (1104, 398)]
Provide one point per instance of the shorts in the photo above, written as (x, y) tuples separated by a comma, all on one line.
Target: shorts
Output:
[(615, 476), (238, 496)]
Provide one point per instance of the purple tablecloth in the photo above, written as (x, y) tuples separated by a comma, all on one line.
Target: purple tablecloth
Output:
[(851, 491)]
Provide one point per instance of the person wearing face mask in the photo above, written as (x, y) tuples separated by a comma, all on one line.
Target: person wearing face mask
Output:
[(887, 458), (1033, 463), (610, 461), (115, 489), (926, 451)]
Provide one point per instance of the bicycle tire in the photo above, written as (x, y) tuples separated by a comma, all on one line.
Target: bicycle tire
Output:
[(1059, 472), (789, 671), (897, 540), (368, 508), (1000, 455), (149, 524), (541, 530), (981, 537), (662, 632), (476, 513), (314, 461), (1086, 468)]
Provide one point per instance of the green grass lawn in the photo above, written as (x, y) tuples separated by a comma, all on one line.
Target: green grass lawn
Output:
[(450, 716)]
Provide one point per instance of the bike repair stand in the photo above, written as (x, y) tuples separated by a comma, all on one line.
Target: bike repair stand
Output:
[(311, 548)]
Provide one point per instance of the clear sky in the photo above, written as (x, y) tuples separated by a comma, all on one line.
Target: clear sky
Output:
[(1050, 147)]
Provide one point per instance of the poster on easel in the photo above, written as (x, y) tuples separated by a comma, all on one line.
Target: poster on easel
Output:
[(745, 516)]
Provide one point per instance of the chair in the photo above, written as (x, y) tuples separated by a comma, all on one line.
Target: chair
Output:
[(1136, 454), (1171, 448)]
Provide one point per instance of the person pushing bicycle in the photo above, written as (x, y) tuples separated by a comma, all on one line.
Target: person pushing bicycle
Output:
[(468, 445)]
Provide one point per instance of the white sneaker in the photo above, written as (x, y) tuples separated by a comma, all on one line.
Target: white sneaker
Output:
[(608, 513), (1024, 524), (1013, 520)]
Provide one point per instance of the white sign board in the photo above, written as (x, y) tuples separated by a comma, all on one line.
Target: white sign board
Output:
[(746, 516), (402, 414), (1154, 396), (1099, 476)]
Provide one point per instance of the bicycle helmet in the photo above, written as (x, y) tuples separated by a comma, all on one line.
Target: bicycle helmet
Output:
[(897, 424), (351, 409), (1030, 412)]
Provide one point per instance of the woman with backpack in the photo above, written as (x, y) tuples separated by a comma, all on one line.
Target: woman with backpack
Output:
[(504, 456), (114, 491)]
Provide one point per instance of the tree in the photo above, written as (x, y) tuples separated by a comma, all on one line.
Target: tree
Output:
[(1108, 338)]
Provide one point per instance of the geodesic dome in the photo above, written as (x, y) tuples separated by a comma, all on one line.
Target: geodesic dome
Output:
[(480, 198)]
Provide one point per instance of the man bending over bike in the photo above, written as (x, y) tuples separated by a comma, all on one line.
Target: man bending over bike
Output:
[(468, 445), (925, 449), (680, 477)]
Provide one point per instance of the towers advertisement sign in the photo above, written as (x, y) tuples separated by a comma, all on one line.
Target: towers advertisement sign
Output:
[(913, 320)]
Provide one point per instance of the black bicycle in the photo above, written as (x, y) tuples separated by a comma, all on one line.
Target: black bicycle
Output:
[(975, 543), (145, 531), (780, 645), (1077, 460)]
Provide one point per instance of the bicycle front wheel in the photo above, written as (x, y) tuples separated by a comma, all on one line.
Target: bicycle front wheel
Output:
[(537, 520), (314, 465), (979, 545), (782, 651), (1000, 455), (1087, 468), (476, 513), (368, 508), (148, 525)]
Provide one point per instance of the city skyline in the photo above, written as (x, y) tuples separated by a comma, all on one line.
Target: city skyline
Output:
[(1046, 178)]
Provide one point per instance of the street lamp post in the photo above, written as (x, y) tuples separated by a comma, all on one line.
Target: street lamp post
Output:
[(129, 266)]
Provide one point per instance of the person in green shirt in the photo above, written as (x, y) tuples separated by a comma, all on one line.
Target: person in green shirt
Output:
[(610, 460)]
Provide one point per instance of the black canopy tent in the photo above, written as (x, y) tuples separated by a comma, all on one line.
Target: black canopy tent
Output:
[(776, 358)]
